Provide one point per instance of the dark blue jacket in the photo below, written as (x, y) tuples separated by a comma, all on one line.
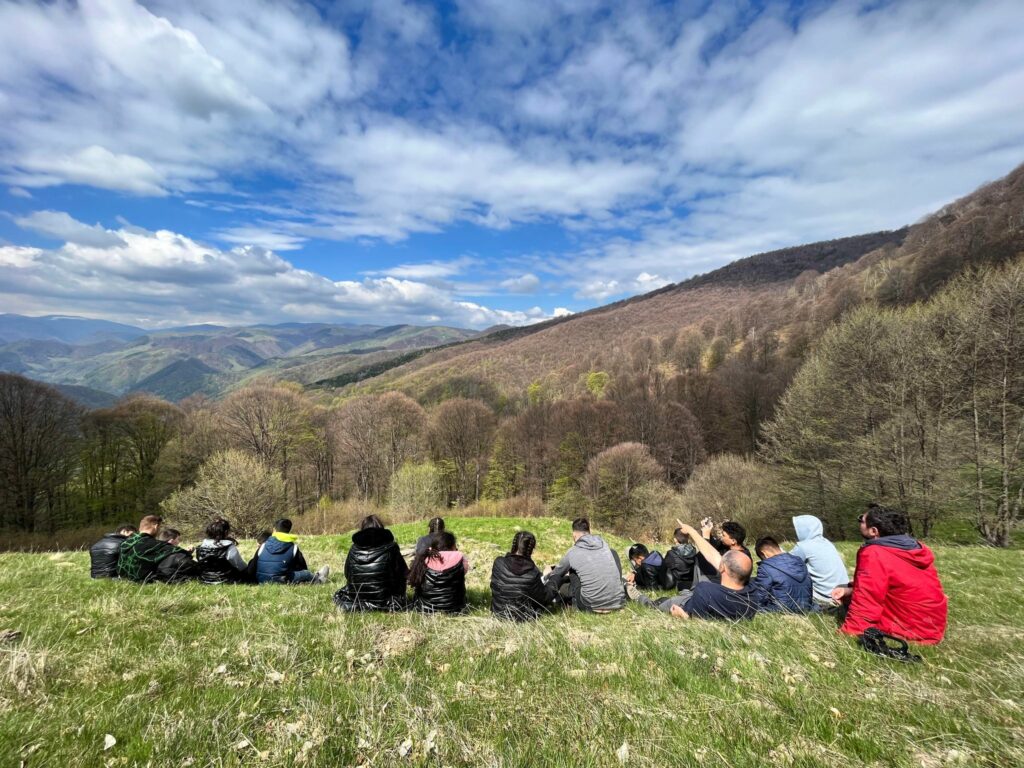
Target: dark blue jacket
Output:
[(277, 560), (783, 584)]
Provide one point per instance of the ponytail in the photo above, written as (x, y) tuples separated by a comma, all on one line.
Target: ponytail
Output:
[(439, 542), (523, 543)]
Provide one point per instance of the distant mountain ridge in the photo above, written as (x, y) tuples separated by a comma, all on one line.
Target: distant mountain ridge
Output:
[(66, 328)]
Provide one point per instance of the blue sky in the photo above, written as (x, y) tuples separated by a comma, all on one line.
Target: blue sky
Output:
[(471, 162)]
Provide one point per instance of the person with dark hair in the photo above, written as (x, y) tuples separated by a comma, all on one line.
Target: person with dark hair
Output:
[(518, 591), (731, 597), (782, 583), (730, 537), (895, 587), (375, 571), (681, 562), (589, 577), (648, 568), (218, 557), (178, 566), (436, 525), (438, 576), (280, 561), (103, 555), (142, 552)]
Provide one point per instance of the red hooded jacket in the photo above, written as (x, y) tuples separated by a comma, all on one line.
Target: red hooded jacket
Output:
[(898, 591)]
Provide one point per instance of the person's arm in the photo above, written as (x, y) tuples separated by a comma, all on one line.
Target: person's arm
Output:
[(465, 564), (867, 601), (299, 562), (618, 563), (712, 555), (761, 584), (678, 612), (235, 558), (559, 572)]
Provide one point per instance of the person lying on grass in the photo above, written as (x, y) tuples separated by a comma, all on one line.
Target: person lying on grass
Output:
[(518, 591), (589, 577), (375, 571), (895, 587), (104, 554), (438, 576), (280, 561), (782, 583), (732, 597)]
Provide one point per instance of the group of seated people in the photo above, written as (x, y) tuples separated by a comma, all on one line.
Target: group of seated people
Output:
[(895, 588), (151, 552)]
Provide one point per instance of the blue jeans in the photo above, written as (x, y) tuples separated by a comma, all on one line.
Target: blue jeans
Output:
[(301, 577)]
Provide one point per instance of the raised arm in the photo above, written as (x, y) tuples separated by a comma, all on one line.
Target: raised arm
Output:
[(703, 545)]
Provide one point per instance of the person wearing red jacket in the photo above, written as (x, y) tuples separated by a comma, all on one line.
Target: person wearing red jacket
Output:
[(895, 585)]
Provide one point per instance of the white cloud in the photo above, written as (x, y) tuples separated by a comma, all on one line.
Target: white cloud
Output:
[(19, 192), (265, 238), (526, 283), (430, 271), (60, 226)]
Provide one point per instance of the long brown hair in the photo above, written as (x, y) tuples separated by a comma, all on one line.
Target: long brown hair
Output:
[(439, 542)]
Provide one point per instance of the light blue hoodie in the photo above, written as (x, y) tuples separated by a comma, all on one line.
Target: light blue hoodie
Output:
[(824, 562)]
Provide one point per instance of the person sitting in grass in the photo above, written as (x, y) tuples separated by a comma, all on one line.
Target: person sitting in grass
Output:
[(895, 588), (142, 552), (518, 591), (250, 567), (589, 577), (648, 568), (280, 561), (782, 582), (681, 562), (103, 555), (438, 576), (435, 526), (218, 557), (729, 537), (375, 571), (731, 597), (822, 559), (178, 566)]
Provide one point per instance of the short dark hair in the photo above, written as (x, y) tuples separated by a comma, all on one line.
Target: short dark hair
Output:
[(284, 525), (581, 525), (166, 534), (436, 525), (126, 528), (263, 536), (370, 521), (735, 530), (769, 542), (218, 529), (638, 550), (680, 536), (738, 565), (889, 522)]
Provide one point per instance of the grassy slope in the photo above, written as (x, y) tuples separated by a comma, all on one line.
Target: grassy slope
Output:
[(274, 676)]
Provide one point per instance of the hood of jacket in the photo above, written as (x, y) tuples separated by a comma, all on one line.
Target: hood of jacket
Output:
[(791, 566), (807, 527), (517, 565), (372, 538), (900, 541), (654, 560), (276, 546), (591, 541)]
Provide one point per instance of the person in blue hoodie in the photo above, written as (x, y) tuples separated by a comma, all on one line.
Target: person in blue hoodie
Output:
[(822, 559), (280, 561), (782, 583), (649, 570)]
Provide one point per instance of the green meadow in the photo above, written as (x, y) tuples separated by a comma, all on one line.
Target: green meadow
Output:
[(101, 673)]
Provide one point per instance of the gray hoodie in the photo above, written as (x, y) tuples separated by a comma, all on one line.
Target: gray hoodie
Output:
[(599, 571), (824, 562)]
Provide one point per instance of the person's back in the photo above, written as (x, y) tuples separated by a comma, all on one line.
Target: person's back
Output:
[(517, 590), (141, 553), (104, 554), (438, 577), (713, 600), (375, 572), (823, 561), (278, 559), (681, 563), (649, 568), (594, 571), (782, 582), (217, 556)]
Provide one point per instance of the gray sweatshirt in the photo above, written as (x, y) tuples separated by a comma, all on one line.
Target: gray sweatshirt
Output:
[(599, 571), (823, 560)]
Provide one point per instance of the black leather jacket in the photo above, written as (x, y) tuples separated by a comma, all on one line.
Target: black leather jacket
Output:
[(103, 556), (517, 590), (177, 567), (681, 567), (375, 573), (442, 591), (214, 567)]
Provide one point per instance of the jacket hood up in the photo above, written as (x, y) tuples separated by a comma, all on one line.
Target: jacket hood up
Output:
[(807, 527)]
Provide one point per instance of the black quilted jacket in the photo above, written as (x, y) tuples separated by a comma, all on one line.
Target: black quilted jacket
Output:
[(375, 573), (103, 556), (517, 590), (442, 591)]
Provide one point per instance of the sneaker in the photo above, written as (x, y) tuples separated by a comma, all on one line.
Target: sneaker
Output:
[(321, 576)]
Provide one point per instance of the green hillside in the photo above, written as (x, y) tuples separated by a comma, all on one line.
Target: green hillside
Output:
[(274, 676)]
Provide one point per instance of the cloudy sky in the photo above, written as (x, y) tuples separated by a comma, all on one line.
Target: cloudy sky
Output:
[(471, 162)]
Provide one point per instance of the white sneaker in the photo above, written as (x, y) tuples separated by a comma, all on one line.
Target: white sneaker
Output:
[(322, 574)]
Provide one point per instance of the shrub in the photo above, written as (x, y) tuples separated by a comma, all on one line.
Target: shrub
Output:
[(734, 488), (617, 482), (416, 490)]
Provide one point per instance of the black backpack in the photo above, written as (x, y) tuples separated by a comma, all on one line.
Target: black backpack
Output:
[(878, 642)]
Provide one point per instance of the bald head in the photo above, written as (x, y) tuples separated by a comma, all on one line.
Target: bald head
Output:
[(737, 567)]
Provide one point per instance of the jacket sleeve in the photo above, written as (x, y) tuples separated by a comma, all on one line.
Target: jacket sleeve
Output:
[(618, 563), (399, 571), (299, 563), (870, 584), (235, 558), (762, 584), (541, 593), (560, 571)]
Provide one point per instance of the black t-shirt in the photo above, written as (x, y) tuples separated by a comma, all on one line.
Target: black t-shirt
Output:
[(713, 601)]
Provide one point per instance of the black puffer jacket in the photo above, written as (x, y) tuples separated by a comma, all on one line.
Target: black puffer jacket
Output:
[(214, 567), (375, 573), (680, 567), (177, 567), (517, 590), (103, 556), (442, 591)]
